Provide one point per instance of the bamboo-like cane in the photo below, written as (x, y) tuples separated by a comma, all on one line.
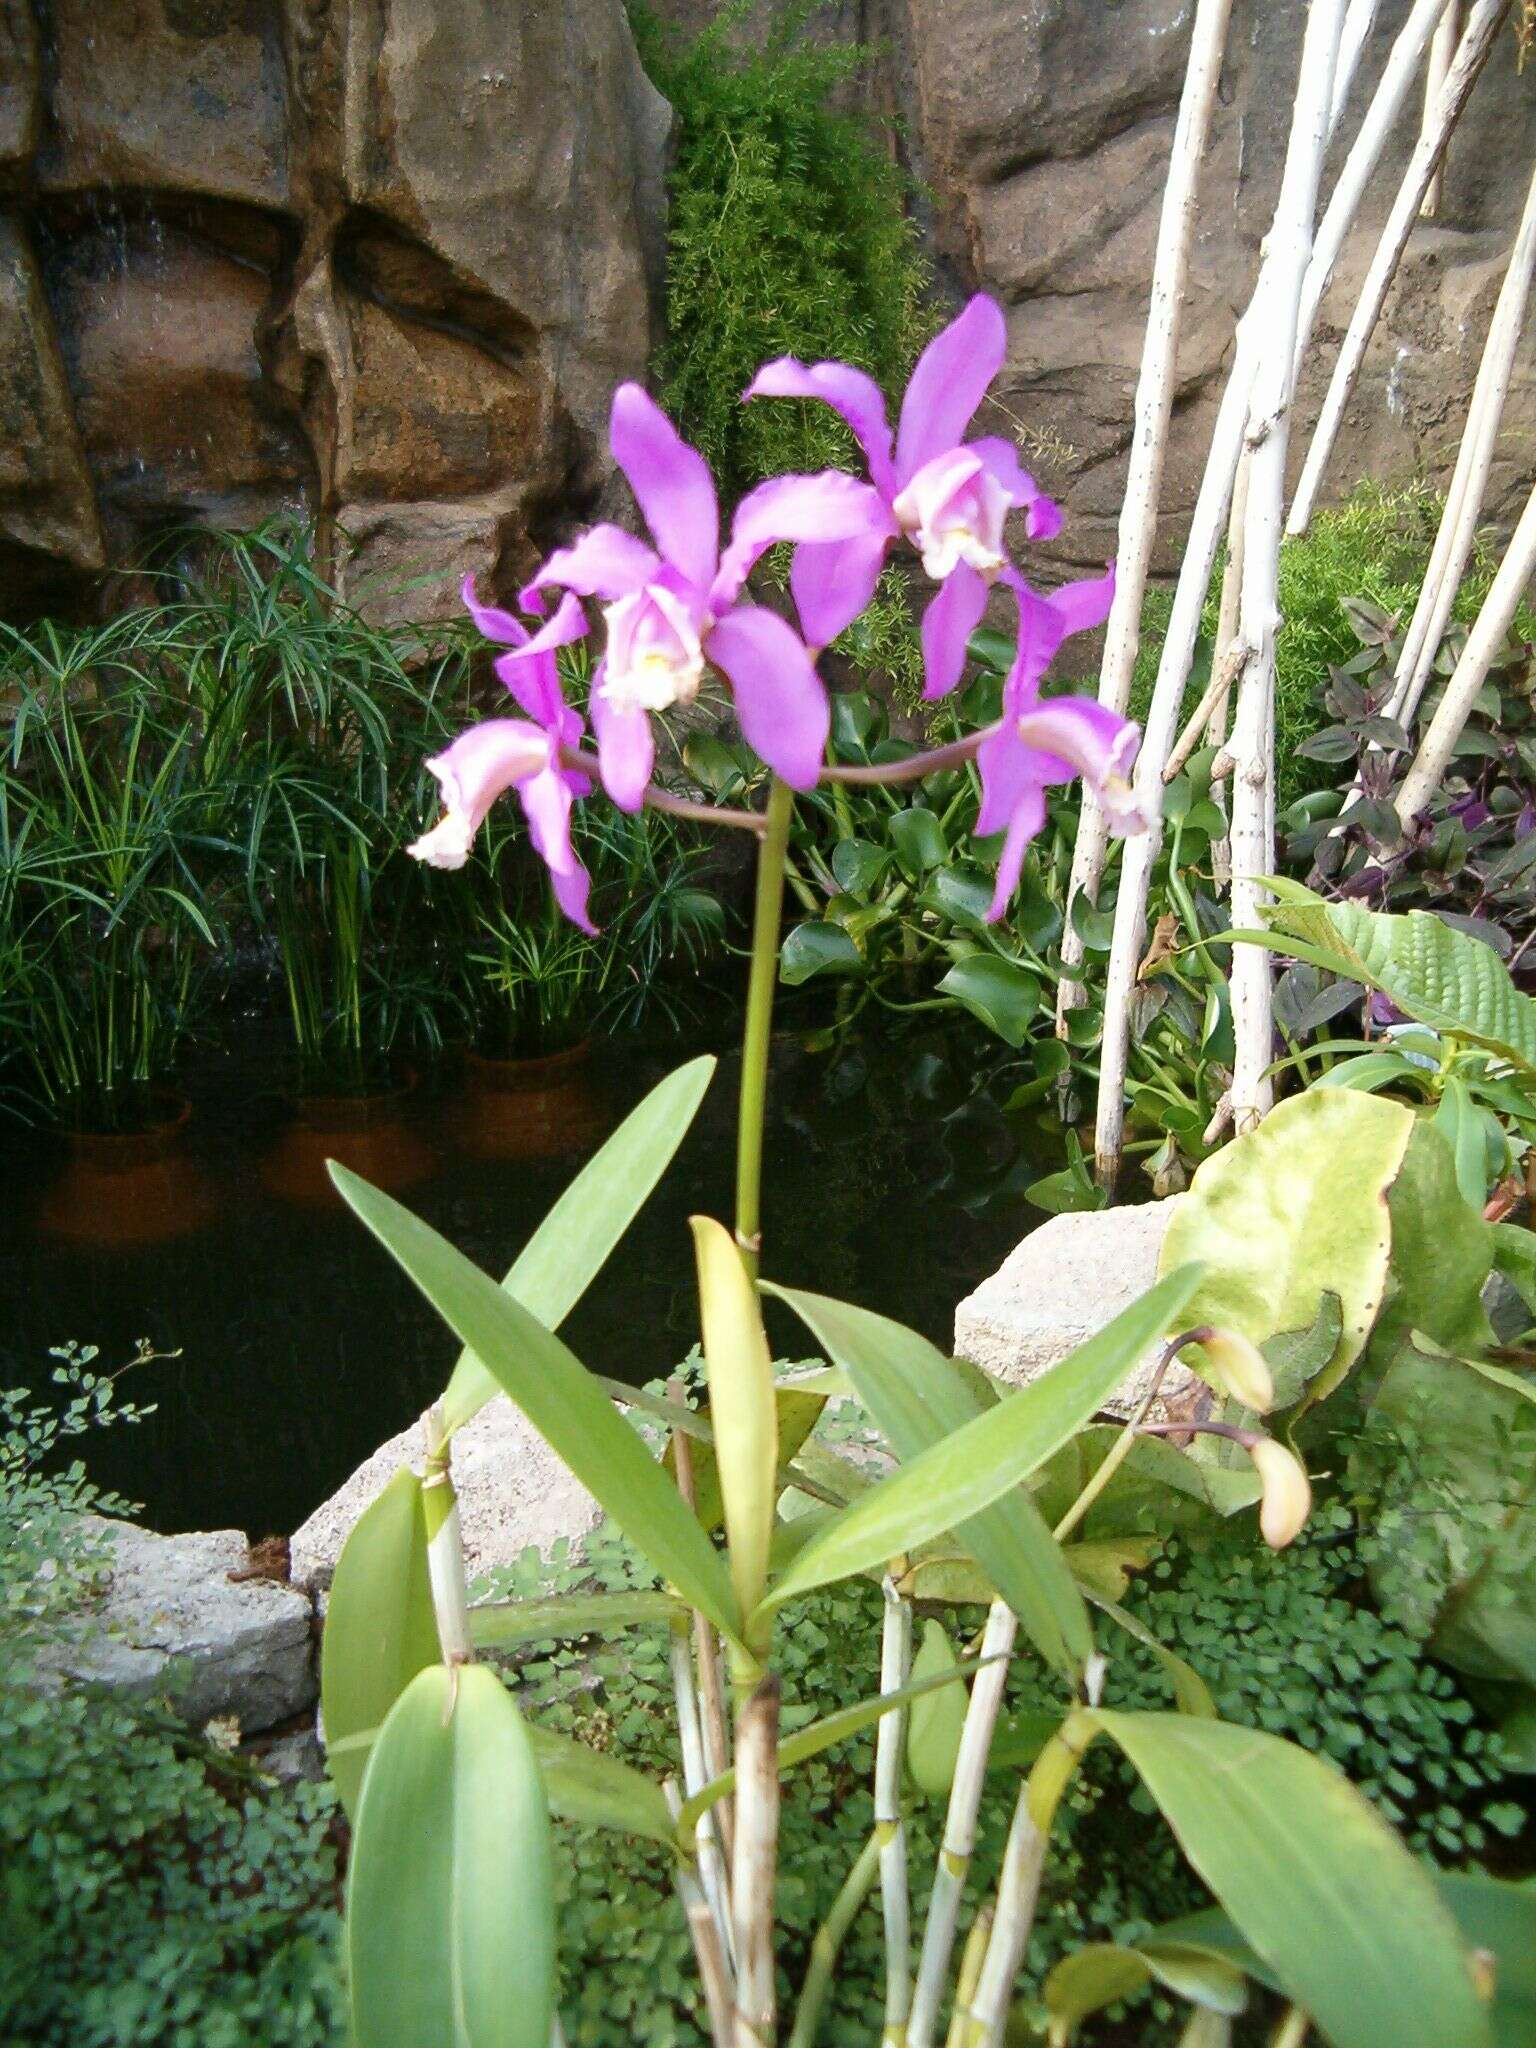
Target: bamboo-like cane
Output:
[(447, 1576), (828, 1940), (706, 1653), (1018, 1895), (960, 1824), (1477, 657), (1254, 336), (1469, 483), (1206, 2029), (1441, 52), (712, 1869), (972, 1956), (714, 1971), (1149, 440), (756, 1863), (1483, 24), (1253, 725), (890, 1827)]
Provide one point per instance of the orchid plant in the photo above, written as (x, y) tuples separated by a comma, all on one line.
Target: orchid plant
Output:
[(450, 1919)]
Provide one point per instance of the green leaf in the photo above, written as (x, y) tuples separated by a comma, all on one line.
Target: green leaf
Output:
[(918, 838), (1432, 971), (1296, 1357), (818, 948), (1279, 1221), (450, 1891), (559, 1397), (1090, 1978), (857, 865), (1460, 1123), (566, 1617), (938, 1719), (1442, 1253), (962, 893), (741, 1406), (971, 1467), (566, 1252), (916, 1397), (1315, 1880), (1001, 993), (380, 1629), (599, 1791)]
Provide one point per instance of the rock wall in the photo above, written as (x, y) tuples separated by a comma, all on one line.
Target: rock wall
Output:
[(385, 259)]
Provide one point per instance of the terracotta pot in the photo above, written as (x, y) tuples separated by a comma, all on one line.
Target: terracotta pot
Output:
[(372, 1134), (540, 1108), (122, 1189)]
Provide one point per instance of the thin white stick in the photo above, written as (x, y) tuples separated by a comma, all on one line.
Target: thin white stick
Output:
[(1212, 704), (960, 1824), (695, 1775), (1149, 440), (1477, 657), (1206, 528), (755, 1864), (1442, 50), (1253, 725), (1358, 23), (714, 1972), (1469, 484), (890, 1747), (1483, 25)]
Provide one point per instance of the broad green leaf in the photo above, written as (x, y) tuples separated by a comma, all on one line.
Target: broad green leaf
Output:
[(916, 1397), (817, 948), (566, 1617), (1314, 1879), (1442, 1253), (937, 1720), (741, 1405), (559, 1397), (567, 1251), (450, 1891), (961, 893), (918, 838), (857, 865), (975, 1465), (1441, 976), (599, 1791), (1296, 1357), (842, 1726), (1001, 993), (1294, 1210), (1090, 1978), (379, 1627)]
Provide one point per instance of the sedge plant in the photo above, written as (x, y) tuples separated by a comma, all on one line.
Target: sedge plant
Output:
[(451, 1922)]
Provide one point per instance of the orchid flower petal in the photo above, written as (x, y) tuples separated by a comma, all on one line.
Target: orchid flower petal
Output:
[(948, 623), (476, 768), (569, 623), (546, 802), (852, 394), (1007, 777), (1085, 604), (604, 562), (948, 384), (1026, 821), (780, 699), (1072, 736), (833, 581), (490, 619), (671, 483), (1042, 514), (824, 508), (626, 750)]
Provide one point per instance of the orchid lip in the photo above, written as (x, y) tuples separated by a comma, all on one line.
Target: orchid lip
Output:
[(655, 659), (952, 511)]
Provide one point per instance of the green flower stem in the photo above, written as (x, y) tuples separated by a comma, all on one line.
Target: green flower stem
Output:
[(1120, 1450), (767, 912), (856, 1888)]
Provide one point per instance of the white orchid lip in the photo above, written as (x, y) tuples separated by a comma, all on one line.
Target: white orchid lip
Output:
[(952, 511), (655, 659), (480, 766)]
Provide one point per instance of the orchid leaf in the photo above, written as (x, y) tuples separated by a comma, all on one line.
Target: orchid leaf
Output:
[(741, 1406), (380, 1629), (937, 1720), (450, 1887), (916, 1397), (560, 1398), (1327, 1895), (566, 1617), (969, 1468), (571, 1245), (599, 1791)]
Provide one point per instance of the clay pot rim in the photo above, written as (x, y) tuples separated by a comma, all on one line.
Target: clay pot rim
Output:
[(127, 1148), (536, 1070)]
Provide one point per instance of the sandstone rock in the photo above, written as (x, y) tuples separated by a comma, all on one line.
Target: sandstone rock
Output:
[(514, 1495), (47, 504), (1058, 1288), (20, 98), (173, 1619)]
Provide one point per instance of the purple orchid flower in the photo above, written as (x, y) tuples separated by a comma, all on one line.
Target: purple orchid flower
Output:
[(1044, 740), (672, 608), (500, 754), (946, 495)]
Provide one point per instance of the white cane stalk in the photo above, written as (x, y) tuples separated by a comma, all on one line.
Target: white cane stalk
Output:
[(960, 1824), (1149, 439), (755, 1864), (714, 1971), (890, 1828), (1472, 52), (1017, 1897), (712, 1871)]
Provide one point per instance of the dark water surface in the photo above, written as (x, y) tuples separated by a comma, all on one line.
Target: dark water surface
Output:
[(302, 1347)]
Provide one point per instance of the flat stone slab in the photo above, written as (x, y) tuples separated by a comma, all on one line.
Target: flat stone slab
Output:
[(514, 1495), (1060, 1287), (172, 1620)]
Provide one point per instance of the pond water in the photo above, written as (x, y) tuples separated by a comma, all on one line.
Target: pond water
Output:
[(889, 1179)]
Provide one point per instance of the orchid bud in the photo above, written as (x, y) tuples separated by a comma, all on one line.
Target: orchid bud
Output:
[(1239, 1368), (1287, 1496)]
